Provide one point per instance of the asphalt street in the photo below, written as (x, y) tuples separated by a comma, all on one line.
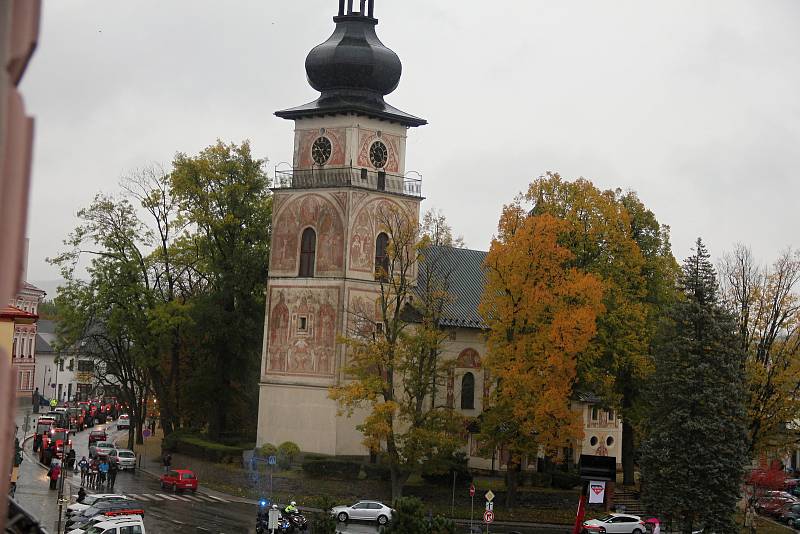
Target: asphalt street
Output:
[(203, 512)]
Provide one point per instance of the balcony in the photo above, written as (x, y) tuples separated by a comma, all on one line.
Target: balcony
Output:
[(348, 177)]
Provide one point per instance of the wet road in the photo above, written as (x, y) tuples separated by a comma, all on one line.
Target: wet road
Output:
[(165, 512)]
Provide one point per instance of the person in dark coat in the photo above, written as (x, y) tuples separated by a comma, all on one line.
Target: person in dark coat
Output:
[(112, 474), (36, 401)]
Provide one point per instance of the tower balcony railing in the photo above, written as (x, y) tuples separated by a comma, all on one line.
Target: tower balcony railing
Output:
[(320, 177)]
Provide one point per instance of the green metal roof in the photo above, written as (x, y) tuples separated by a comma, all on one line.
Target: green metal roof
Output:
[(462, 272)]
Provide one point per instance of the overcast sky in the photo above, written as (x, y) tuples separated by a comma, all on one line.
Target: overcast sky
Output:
[(693, 104)]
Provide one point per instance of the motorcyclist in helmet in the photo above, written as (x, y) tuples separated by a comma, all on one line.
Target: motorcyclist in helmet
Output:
[(291, 509)]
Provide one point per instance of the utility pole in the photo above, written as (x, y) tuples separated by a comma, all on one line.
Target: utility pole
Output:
[(64, 467)]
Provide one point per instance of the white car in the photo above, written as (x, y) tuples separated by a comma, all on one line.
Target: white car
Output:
[(91, 500), (124, 458), (131, 526), (363, 511), (124, 421), (615, 523), (103, 519)]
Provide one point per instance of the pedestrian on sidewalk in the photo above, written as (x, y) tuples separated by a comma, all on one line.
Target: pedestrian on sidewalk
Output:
[(103, 469), (36, 401), (81, 495), (167, 461), (83, 465), (53, 474), (93, 473), (750, 520), (112, 475)]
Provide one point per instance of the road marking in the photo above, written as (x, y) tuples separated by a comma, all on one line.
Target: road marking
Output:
[(151, 496), (206, 499), (181, 498), (217, 498), (169, 498), (193, 498), (140, 497)]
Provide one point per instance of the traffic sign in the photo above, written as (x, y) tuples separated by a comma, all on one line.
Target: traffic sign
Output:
[(146, 433), (472, 490), (272, 460), (489, 496), (488, 516), (489, 506)]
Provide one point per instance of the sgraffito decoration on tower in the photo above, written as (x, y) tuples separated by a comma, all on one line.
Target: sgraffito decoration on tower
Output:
[(320, 213), (365, 230), (302, 330)]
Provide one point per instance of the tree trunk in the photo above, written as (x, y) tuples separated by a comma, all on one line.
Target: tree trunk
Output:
[(512, 481), (628, 452), (399, 478)]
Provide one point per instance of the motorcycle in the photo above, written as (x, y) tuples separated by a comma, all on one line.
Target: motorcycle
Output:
[(297, 521), (262, 524)]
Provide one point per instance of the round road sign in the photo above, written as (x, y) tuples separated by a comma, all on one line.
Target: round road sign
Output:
[(488, 516), (146, 433), (472, 490)]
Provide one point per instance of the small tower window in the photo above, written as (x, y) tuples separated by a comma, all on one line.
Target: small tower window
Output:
[(308, 249), (468, 392), (381, 256)]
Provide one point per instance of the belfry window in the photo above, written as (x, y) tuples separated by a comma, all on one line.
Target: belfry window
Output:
[(381, 256), (468, 392), (308, 249)]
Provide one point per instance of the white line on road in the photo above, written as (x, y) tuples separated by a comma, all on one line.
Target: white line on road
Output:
[(217, 498), (140, 497), (151, 496), (193, 498), (206, 499), (181, 498), (169, 498)]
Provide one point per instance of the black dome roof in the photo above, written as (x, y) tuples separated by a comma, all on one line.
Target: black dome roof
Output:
[(354, 58), (353, 70)]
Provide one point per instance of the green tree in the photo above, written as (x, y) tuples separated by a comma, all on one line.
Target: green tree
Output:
[(226, 204), (693, 456), (393, 352), (612, 235), (106, 317)]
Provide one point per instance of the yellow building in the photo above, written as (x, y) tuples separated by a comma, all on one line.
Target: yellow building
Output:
[(11, 316)]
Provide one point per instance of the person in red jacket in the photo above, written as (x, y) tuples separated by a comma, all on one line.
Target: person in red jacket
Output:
[(53, 474)]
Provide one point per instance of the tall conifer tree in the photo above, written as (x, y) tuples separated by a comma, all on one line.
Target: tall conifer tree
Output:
[(693, 456)]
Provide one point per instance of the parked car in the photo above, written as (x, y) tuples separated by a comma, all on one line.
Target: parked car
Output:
[(91, 500), (615, 523), (97, 435), (363, 511), (101, 449), (101, 519), (129, 526), (113, 508), (124, 421), (790, 514), (124, 458), (179, 479)]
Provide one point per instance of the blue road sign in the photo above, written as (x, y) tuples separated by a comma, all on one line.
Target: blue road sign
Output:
[(273, 460)]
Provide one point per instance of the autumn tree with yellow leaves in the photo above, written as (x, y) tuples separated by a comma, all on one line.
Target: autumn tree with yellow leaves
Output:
[(541, 313), (612, 235), (394, 344), (766, 302)]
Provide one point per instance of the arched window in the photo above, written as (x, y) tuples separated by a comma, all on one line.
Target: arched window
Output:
[(468, 392), (381, 256), (308, 249)]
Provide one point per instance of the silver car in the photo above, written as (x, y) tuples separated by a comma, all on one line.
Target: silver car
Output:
[(124, 458), (364, 511), (100, 449)]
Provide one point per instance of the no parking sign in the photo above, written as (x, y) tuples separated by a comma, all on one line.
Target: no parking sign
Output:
[(488, 516)]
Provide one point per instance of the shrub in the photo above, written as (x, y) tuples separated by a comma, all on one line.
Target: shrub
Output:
[(287, 452), (332, 468), (377, 472), (565, 480), (324, 522), (194, 445), (267, 449), (440, 471), (541, 480), (408, 518)]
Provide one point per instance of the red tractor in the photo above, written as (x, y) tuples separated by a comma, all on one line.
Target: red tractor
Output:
[(53, 445), (43, 427)]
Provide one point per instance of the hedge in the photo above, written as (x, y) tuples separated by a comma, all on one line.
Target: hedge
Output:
[(541, 480), (565, 480), (332, 468), (195, 446)]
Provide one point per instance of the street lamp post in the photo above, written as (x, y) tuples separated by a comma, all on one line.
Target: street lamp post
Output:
[(64, 467), (44, 378)]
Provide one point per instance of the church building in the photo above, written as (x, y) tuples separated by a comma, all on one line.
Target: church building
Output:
[(327, 247)]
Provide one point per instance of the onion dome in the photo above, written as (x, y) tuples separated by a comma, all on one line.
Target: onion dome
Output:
[(353, 70)]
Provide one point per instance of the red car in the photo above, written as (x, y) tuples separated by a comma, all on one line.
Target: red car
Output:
[(179, 479), (97, 435)]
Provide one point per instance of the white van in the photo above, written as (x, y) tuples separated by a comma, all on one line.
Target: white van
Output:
[(109, 520)]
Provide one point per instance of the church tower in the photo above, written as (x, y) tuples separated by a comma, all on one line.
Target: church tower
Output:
[(349, 164)]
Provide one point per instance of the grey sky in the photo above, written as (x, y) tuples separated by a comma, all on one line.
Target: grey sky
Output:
[(693, 104)]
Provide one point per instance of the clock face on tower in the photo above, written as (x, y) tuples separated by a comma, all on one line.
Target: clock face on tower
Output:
[(378, 155), (321, 150)]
